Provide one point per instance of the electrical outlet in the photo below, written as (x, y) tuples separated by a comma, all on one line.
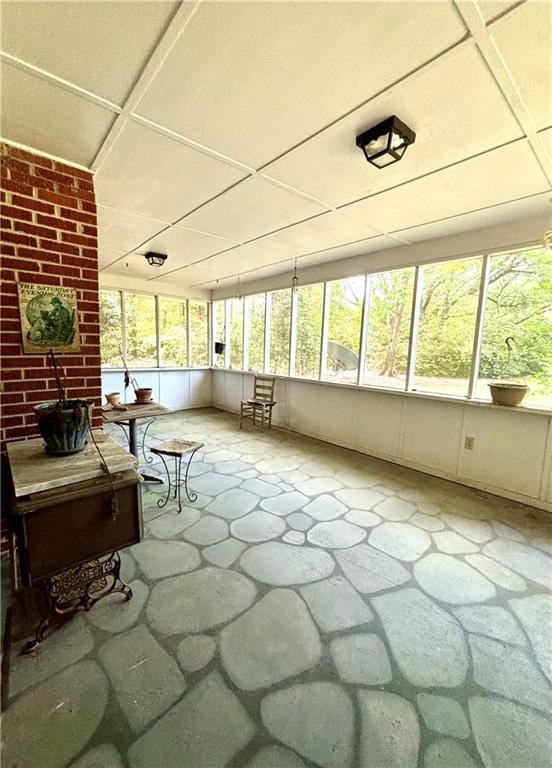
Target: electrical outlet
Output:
[(469, 442)]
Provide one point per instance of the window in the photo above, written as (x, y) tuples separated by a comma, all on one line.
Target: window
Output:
[(255, 331), (345, 298), (280, 318), (234, 307), (199, 333), (519, 308), (448, 311), (219, 334), (111, 337), (173, 332), (389, 308), (141, 331), (308, 330)]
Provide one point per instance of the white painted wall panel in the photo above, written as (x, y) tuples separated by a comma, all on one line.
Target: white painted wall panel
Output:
[(378, 423), (430, 433), (509, 449), (200, 387), (337, 415), (174, 388), (304, 407)]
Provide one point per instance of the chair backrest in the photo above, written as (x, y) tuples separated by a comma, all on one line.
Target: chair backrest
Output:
[(264, 388)]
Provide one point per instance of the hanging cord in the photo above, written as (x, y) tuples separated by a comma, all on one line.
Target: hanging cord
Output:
[(114, 500)]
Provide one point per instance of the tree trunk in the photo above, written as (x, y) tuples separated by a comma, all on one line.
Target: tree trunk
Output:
[(391, 354)]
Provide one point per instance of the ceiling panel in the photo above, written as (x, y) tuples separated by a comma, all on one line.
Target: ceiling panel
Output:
[(498, 214), (133, 265), (490, 9), (447, 130), (251, 209), (505, 174), (99, 46), (124, 231), (253, 79), (150, 174), (36, 113), (379, 243), (183, 247), (107, 256), (523, 38), (323, 232)]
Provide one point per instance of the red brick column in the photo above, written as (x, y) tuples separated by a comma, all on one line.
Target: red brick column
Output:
[(49, 237)]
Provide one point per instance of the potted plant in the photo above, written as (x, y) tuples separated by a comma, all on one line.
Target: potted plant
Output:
[(63, 423), (507, 392)]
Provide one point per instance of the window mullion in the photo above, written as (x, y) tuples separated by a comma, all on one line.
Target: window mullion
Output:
[(325, 330), (293, 333), (479, 321), (245, 342), (123, 324), (268, 316), (363, 342), (157, 331), (414, 323), (227, 307), (188, 335)]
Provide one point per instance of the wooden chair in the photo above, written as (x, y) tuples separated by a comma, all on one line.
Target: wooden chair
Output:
[(261, 404)]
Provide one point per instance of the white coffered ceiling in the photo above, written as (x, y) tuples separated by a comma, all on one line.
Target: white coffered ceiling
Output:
[(223, 133)]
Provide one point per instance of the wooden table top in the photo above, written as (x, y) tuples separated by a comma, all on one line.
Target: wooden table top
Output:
[(133, 411), (33, 470)]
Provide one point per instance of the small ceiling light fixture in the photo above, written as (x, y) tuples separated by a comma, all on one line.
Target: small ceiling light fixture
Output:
[(386, 142), (294, 279), (155, 259)]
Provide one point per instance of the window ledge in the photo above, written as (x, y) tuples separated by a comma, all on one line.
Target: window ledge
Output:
[(403, 393), (154, 369)]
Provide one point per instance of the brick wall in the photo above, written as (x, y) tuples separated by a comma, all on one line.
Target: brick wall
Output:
[(49, 237)]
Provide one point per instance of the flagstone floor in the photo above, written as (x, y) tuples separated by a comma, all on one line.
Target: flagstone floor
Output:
[(314, 607)]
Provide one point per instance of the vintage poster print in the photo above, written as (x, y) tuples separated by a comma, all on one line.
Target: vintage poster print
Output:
[(48, 318)]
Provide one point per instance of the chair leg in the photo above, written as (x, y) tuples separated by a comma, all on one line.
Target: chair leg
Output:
[(241, 415), (270, 417)]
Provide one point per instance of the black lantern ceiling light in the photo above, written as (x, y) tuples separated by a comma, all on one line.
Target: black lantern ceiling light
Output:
[(386, 142), (155, 259)]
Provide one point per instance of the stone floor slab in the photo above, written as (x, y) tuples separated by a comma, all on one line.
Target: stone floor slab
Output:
[(497, 573), (477, 531), (452, 543), (447, 753), (370, 570), (363, 518), (535, 615), (73, 641), (258, 526), (159, 559), (299, 521), (395, 509), (315, 719), (390, 732), (273, 640), (492, 621), (400, 540), (171, 524), (318, 485), (452, 581), (282, 565), (115, 613), (285, 503), (211, 483), (275, 757), (225, 553), (195, 651), (509, 672), (50, 724), (325, 507), (361, 659), (418, 630), (297, 538), (198, 601), (443, 715), (356, 498), (233, 504), (147, 681), (104, 756), (427, 522), (336, 534), (529, 562), (207, 530), (206, 729), (335, 605), (261, 488), (509, 735)]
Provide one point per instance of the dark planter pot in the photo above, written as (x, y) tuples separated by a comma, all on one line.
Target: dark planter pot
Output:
[(64, 426)]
